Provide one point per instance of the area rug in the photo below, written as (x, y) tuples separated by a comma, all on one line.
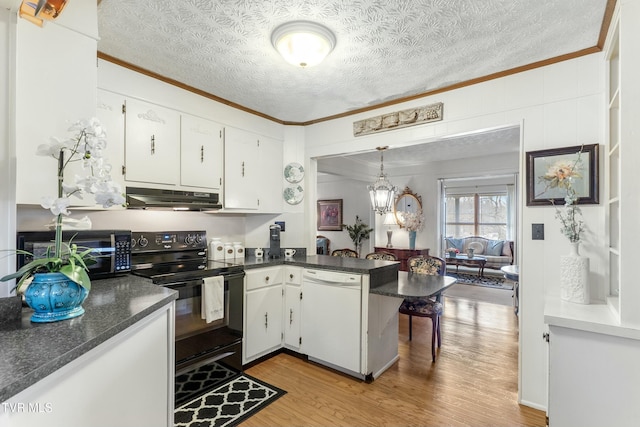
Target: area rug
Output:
[(488, 281), (197, 382), (228, 404)]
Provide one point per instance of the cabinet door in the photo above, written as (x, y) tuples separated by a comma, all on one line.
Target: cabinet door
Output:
[(271, 175), (152, 143), (292, 313), (201, 152), (263, 312), (46, 102), (110, 112), (240, 169)]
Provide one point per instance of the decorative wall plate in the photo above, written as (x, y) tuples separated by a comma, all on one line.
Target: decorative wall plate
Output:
[(293, 194), (293, 172)]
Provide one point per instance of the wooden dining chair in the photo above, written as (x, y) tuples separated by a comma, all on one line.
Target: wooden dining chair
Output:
[(425, 307), (346, 253), (386, 256)]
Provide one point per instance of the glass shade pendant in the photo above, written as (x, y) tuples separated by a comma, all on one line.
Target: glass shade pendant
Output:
[(303, 43), (382, 192)]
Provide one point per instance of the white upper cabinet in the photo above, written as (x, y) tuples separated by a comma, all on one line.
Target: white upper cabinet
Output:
[(271, 175), (51, 92), (253, 172), (111, 114), (201, 161), (241, 170), (152, 143)]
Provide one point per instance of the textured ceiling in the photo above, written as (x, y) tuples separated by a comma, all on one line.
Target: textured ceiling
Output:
[(386, 49)]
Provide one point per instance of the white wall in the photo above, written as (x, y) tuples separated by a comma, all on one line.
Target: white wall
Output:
[(355, 201), (558, 105)]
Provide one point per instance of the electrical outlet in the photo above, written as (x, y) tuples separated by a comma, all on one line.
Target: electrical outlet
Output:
[(281, 224), (537, 231)]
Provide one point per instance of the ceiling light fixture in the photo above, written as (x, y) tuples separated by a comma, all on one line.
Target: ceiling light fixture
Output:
[(303, 43), (382, 192)]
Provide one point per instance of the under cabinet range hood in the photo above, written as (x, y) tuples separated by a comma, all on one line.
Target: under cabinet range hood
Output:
[(153, 198)]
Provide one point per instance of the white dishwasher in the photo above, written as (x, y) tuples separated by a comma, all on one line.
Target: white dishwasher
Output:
[(331, 319)]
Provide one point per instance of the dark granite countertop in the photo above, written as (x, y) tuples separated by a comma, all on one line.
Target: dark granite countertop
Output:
[(326, 262), (413, 285), (32, 351), (380, 272)]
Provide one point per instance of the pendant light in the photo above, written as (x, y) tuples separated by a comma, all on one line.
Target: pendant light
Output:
[(382, 192)]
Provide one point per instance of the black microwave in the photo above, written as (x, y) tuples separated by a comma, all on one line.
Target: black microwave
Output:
[(112, 248)]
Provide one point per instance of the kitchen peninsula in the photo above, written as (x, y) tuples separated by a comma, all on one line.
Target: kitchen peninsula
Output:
[(371, 313), (92, 370)]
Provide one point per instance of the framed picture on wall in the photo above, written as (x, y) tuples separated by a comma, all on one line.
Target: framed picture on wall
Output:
[(549, 172), (330, 215)]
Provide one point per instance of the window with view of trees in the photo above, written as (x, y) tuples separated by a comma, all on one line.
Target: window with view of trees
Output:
[(477, 215)]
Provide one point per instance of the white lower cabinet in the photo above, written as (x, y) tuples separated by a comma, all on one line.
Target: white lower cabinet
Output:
[(127, 380), (333, 322), (292, 307), (263, 312), (593, 378)]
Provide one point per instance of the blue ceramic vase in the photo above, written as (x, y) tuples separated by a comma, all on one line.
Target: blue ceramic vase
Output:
[(54, 297), (412, 239)]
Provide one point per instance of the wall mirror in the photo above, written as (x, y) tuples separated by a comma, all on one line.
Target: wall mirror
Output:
[(407, 201)]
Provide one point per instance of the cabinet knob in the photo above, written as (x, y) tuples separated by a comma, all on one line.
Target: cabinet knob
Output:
[(290, 276), (266, 278)]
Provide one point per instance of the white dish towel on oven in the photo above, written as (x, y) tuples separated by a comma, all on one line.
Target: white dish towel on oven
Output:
[(212, 307)]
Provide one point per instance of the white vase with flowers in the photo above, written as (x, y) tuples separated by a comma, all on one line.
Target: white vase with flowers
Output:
[(574, 268)]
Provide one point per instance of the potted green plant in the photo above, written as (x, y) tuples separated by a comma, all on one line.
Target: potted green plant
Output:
[(358, 232), (59, 283)]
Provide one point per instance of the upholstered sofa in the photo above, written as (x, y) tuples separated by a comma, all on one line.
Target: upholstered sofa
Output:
[(497, 252)]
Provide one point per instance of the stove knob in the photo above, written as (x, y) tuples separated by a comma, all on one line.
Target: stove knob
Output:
[(143, 242), (189, 239), (199, 238)]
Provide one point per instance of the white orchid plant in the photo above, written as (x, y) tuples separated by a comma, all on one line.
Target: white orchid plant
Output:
[(86, 145)]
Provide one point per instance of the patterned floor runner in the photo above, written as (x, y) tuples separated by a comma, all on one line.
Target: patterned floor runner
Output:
[(488, 281), (228, 404)]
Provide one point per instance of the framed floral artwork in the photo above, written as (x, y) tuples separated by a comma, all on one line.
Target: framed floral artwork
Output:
[(330, 215), (551, 173)]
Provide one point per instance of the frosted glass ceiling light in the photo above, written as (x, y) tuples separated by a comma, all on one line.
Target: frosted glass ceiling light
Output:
[(303, 43), (382, 192)]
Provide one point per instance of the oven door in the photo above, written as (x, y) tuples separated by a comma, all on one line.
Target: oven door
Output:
[(198, 342)]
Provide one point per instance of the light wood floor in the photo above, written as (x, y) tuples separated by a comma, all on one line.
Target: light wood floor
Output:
[(473, 382)]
